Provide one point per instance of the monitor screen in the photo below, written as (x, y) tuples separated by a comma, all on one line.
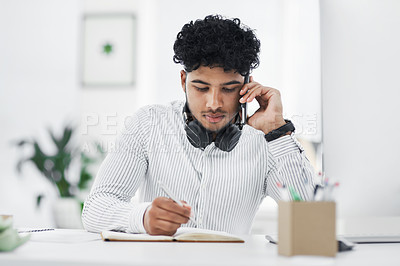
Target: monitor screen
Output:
[(360, 62)]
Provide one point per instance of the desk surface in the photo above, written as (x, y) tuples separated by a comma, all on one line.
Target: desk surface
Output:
[(76, 247)]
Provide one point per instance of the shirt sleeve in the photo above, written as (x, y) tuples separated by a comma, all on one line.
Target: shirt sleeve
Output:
[(288, 165), (109, 206)]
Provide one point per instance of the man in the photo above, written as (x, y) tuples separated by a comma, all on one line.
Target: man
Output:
[(220, 169)]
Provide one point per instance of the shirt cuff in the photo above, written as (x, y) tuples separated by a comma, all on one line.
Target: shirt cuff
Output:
[(136, 219), (284, 145)]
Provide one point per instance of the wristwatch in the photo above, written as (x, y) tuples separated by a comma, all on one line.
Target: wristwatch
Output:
[(280, 131)]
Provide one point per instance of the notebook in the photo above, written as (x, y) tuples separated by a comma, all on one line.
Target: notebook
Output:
[(183, 234)]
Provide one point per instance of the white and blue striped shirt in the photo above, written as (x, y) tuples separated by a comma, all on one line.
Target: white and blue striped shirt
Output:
[(224, 189)]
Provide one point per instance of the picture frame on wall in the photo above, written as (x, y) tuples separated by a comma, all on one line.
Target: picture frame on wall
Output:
[(109, 50)]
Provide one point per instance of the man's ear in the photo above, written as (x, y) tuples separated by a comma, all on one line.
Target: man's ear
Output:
[(183, 80)]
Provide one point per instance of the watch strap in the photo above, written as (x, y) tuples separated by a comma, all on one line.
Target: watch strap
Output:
[(280, 131)]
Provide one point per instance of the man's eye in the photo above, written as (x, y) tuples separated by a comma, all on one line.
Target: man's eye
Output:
[(228, 89), (201, 89)]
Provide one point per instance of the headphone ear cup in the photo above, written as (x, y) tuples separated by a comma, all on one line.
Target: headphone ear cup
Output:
[(228, 138), (197, 134)]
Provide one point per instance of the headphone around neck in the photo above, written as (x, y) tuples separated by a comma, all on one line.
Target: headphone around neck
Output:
[(200, 137)]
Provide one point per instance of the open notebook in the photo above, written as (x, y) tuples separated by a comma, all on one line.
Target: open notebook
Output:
[(184, 234)]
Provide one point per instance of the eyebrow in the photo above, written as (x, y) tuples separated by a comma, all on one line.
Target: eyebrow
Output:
[(232, 82)]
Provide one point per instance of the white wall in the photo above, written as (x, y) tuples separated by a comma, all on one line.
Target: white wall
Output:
[(38, 89), (360, 87), (301, 70), (265, 18), (158, 76), (289, 34), (104, 109), (40, 84)]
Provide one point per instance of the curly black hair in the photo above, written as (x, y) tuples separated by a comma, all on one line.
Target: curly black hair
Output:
[(217, 42)]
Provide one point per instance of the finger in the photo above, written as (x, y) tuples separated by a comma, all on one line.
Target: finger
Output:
[(265, 92), (161, 227), (248, 86), (244, 89), (252, 93), (272, 92), (186, 205), (171, 206), (258, 91), (189, 208), (170, 216), (165, 203)]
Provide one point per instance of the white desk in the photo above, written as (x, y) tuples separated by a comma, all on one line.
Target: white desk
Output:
[(76, 247)]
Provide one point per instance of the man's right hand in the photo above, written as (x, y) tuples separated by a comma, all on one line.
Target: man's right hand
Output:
[(164, 216)]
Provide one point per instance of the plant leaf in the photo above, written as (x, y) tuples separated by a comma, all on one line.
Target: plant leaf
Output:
[(85, 177), (20, 163), (66, 137), (62, 142), (39, 157), (39, 200), (22, 142), (53, 137)]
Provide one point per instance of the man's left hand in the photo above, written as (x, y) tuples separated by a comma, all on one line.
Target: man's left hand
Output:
[(269, 116)]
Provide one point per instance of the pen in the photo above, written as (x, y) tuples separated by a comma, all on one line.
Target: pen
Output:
[(36, 230), (172, 196), (294, 194), (318, 193)]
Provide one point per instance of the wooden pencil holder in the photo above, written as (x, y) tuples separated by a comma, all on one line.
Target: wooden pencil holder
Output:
[(307, 228)]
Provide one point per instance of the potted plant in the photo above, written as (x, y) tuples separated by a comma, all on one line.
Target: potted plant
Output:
[(56, 168)]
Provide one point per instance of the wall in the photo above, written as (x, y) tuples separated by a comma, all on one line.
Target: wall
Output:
[(301, 70), (170, 23), (38, 89), (158, 76), (360, 87), (104, 109), (289, 34), (40, 81)]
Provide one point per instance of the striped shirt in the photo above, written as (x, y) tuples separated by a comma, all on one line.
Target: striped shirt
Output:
[(224, 189)]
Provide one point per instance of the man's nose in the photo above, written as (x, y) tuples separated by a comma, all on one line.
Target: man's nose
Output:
[(214, 100)]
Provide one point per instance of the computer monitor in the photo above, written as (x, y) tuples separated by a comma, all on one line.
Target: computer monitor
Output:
[(360, 62)]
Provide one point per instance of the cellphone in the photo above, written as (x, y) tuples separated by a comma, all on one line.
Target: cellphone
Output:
[(243, 106)]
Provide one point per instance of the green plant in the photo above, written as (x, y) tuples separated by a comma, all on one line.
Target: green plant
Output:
[(55, 166)]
